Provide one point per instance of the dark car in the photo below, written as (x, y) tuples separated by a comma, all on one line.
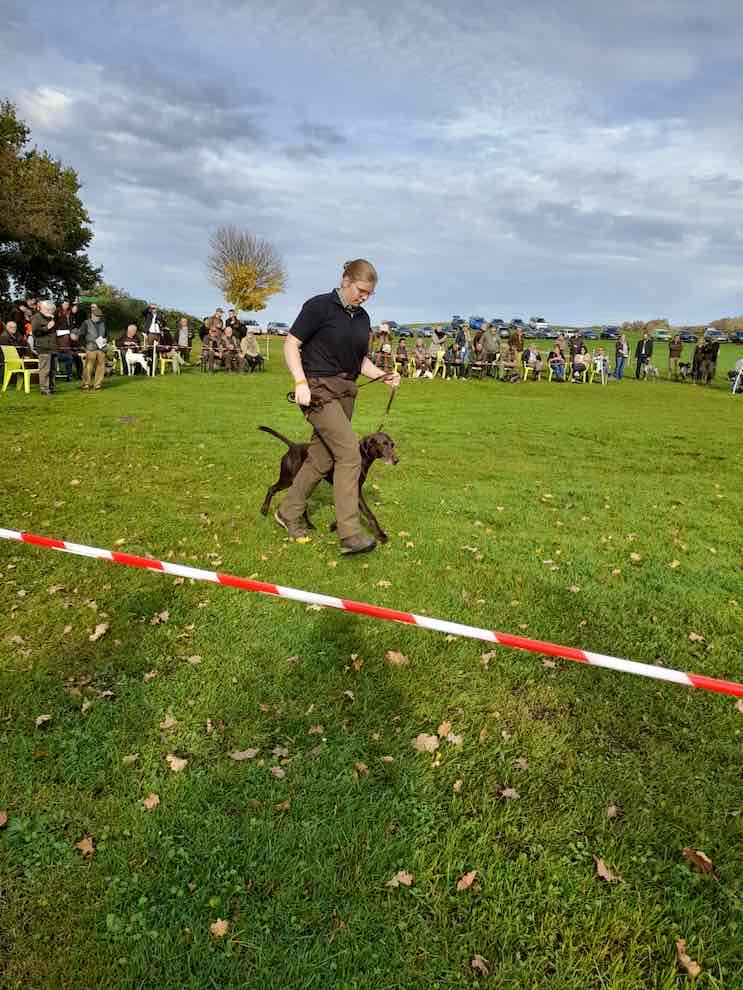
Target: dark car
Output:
[(736, 337), (688, 337), (610, 333), (404, 331), (517, 321), (457, 321), (550, 334), (497, 322), (530, 333), (715, 335), (391, 324), (281, 329), (590, 335), (425, 332)]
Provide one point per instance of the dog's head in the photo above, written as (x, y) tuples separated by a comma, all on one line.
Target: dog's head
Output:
[(378, 446)]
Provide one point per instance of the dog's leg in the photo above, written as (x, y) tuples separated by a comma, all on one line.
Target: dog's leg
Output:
[(308, 523), (269, 495), (372, 520)]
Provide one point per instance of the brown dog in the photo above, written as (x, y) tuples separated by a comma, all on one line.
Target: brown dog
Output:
[(372, 447)]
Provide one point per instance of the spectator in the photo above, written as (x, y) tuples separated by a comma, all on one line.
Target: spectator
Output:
[(561, 342), (674, 354), (153, 325), (130, 348), (251, 355), (516, 339), (94, 340), (420, 360), (708, 367), (556, 361), (581, 363), (45, 344), (10, 337), (490, 344), (576, 342), (204, 329), (601, 364), (453, 360), (736, 376), (696, 361), (643, 353), (384, 359), (621, 355), (230, 350), (532, 359), (217, 320), (185, 336), (238, 327), (510, 362), (211, 352), (402, 357)]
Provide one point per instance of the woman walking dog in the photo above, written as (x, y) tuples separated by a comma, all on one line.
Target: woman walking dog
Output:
[(325, 351)]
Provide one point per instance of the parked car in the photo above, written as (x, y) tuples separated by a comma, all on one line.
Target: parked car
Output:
[(688, 337), (590, 335), (531, 333), (538, 323), (404, 332), (280, 329), (517, 321), (715, 335), (661, 335), (425, 332), (498, 322), (456, 321), (392, 325), (736, 337), (610, 333), (550, 334)]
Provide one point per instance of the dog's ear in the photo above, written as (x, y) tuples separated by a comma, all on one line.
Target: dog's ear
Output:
[(364, 449)]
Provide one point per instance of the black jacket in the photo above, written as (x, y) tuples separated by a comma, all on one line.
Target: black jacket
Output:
[(147, 320), (644, 348)]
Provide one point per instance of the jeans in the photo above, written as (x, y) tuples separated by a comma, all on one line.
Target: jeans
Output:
[(619, 370), (68, 361)]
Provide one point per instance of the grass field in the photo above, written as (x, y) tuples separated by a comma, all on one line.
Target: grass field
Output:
[(514, 507)]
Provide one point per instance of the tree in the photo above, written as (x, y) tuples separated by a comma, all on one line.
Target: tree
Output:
[(44, 227), (246, 269), (120, 309)]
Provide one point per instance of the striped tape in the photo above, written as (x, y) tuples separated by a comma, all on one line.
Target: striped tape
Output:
[(391, 615)]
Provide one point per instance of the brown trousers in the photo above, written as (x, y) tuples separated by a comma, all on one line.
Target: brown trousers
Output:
[(46, 373), (97, 360), (333, 422)]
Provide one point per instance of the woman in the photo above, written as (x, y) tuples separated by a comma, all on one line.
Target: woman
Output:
[(420, 358), (325, 351), (402, 357), (620, 355), (556, 361), (581, 363)]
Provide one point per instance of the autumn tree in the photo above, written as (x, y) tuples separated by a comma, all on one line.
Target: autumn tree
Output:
[(44, 227), (246, 269)]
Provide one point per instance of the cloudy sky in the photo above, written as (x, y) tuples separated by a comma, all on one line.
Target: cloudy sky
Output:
[(504, 159)]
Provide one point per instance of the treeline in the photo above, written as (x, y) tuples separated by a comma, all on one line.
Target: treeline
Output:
[(120, 309), (726, 323), (44, 227)]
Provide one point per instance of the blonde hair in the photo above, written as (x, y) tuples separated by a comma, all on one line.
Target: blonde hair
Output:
[(360, 271)]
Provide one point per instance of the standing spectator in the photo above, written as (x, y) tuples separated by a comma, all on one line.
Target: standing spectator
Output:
[(561, 342), (45, 344), (238, 327), (217, 320), (153, 325), (708, 366), (621, 356), (601, 364), (516, 339), (130, 348), (674, 353), (185, 336), (696, 361), (576, 342), (643, 353), (251, 355), (384, 359), (204, 329), (230, 350), (490, 344), (94, 340)]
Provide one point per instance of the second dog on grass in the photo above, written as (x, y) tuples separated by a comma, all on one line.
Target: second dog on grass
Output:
[(372, 447)]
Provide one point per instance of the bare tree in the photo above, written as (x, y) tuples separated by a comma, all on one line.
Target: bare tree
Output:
[(246, 269)]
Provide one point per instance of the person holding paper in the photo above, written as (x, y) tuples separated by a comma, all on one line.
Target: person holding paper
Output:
[(94, 340)]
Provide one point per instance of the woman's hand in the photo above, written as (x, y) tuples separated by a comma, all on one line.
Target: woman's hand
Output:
[(302, 395), (393, 380)]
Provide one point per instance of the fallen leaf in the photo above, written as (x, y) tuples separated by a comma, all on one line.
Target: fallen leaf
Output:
[(356, 662), (159, 617), (485, 658), (424, 743), (388, 759), (243, 754), (85, 706), (3, 819), (457, 786), (454, 739), (75, 481), (316, 730), (384, 584), (303, 539), (574, 588), (401, 877), (395, 659), (690, 965), (278, 772), (349, 695), (613, 811), (151, 802), (466, 881), (695, 638), (506, 735), (616, 572), (119, 543), (209, 727), (698, 860), (739, 705), (635, 558), (55, 588), (195, 660), (604, 872), (42, 720), (150, 676), (280, 752), (444, 729), (480, 965), (521, 763), (509, 793), (100, 630), (168, 722), (130, 760), (283, 805), (86, 847), (675, 563), (549, 664), (361, 769), (484, 735), (219, 928), (175, 763), (67, 630)]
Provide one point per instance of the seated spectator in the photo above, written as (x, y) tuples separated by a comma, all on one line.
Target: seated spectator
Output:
[(402, 358), (556, 361), (581, 362), (601, 364), (453, 361), (230, 350), (510, 364), (11, 337), (167, 348), (384, 359), (465, 356), (130, 347), (251, 355), (532, 359), (211, 351), (736, 375), (420, 360)]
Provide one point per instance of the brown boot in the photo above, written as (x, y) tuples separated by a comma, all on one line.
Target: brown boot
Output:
[(358, 544), (295, 530)]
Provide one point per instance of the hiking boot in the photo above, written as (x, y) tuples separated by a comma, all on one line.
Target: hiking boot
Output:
[(358, 544), (295, 529)]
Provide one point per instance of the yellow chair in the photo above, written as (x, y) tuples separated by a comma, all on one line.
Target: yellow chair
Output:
[(163, 361), (439, 364), (582, 375), (117, 361), (565, 373), (526, 371), (14, 364)]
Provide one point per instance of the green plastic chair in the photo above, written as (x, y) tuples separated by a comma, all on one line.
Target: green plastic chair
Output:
[(14, 364)]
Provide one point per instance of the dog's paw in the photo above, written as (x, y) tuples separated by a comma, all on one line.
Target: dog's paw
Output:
[(264, 510), (382, 538), (333, 526)]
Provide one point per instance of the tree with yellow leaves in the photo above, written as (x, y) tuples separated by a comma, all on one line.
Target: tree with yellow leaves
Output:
[(246, 269)]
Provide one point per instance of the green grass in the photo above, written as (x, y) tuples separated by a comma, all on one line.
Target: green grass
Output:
[(493, 481)]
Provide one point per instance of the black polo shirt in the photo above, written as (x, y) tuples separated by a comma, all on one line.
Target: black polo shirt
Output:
[(334, 340)]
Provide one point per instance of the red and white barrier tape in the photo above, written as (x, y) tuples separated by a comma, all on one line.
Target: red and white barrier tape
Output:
[(379, 612)]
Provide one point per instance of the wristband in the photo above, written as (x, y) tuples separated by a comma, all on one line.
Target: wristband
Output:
[(302, 382)]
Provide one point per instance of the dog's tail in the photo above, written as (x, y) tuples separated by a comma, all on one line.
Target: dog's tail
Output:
[(267, 429)]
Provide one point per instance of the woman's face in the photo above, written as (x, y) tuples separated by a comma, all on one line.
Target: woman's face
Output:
[(357, 292)]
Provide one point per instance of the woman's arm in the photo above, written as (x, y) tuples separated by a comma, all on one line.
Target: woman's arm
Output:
[(293, 359)]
